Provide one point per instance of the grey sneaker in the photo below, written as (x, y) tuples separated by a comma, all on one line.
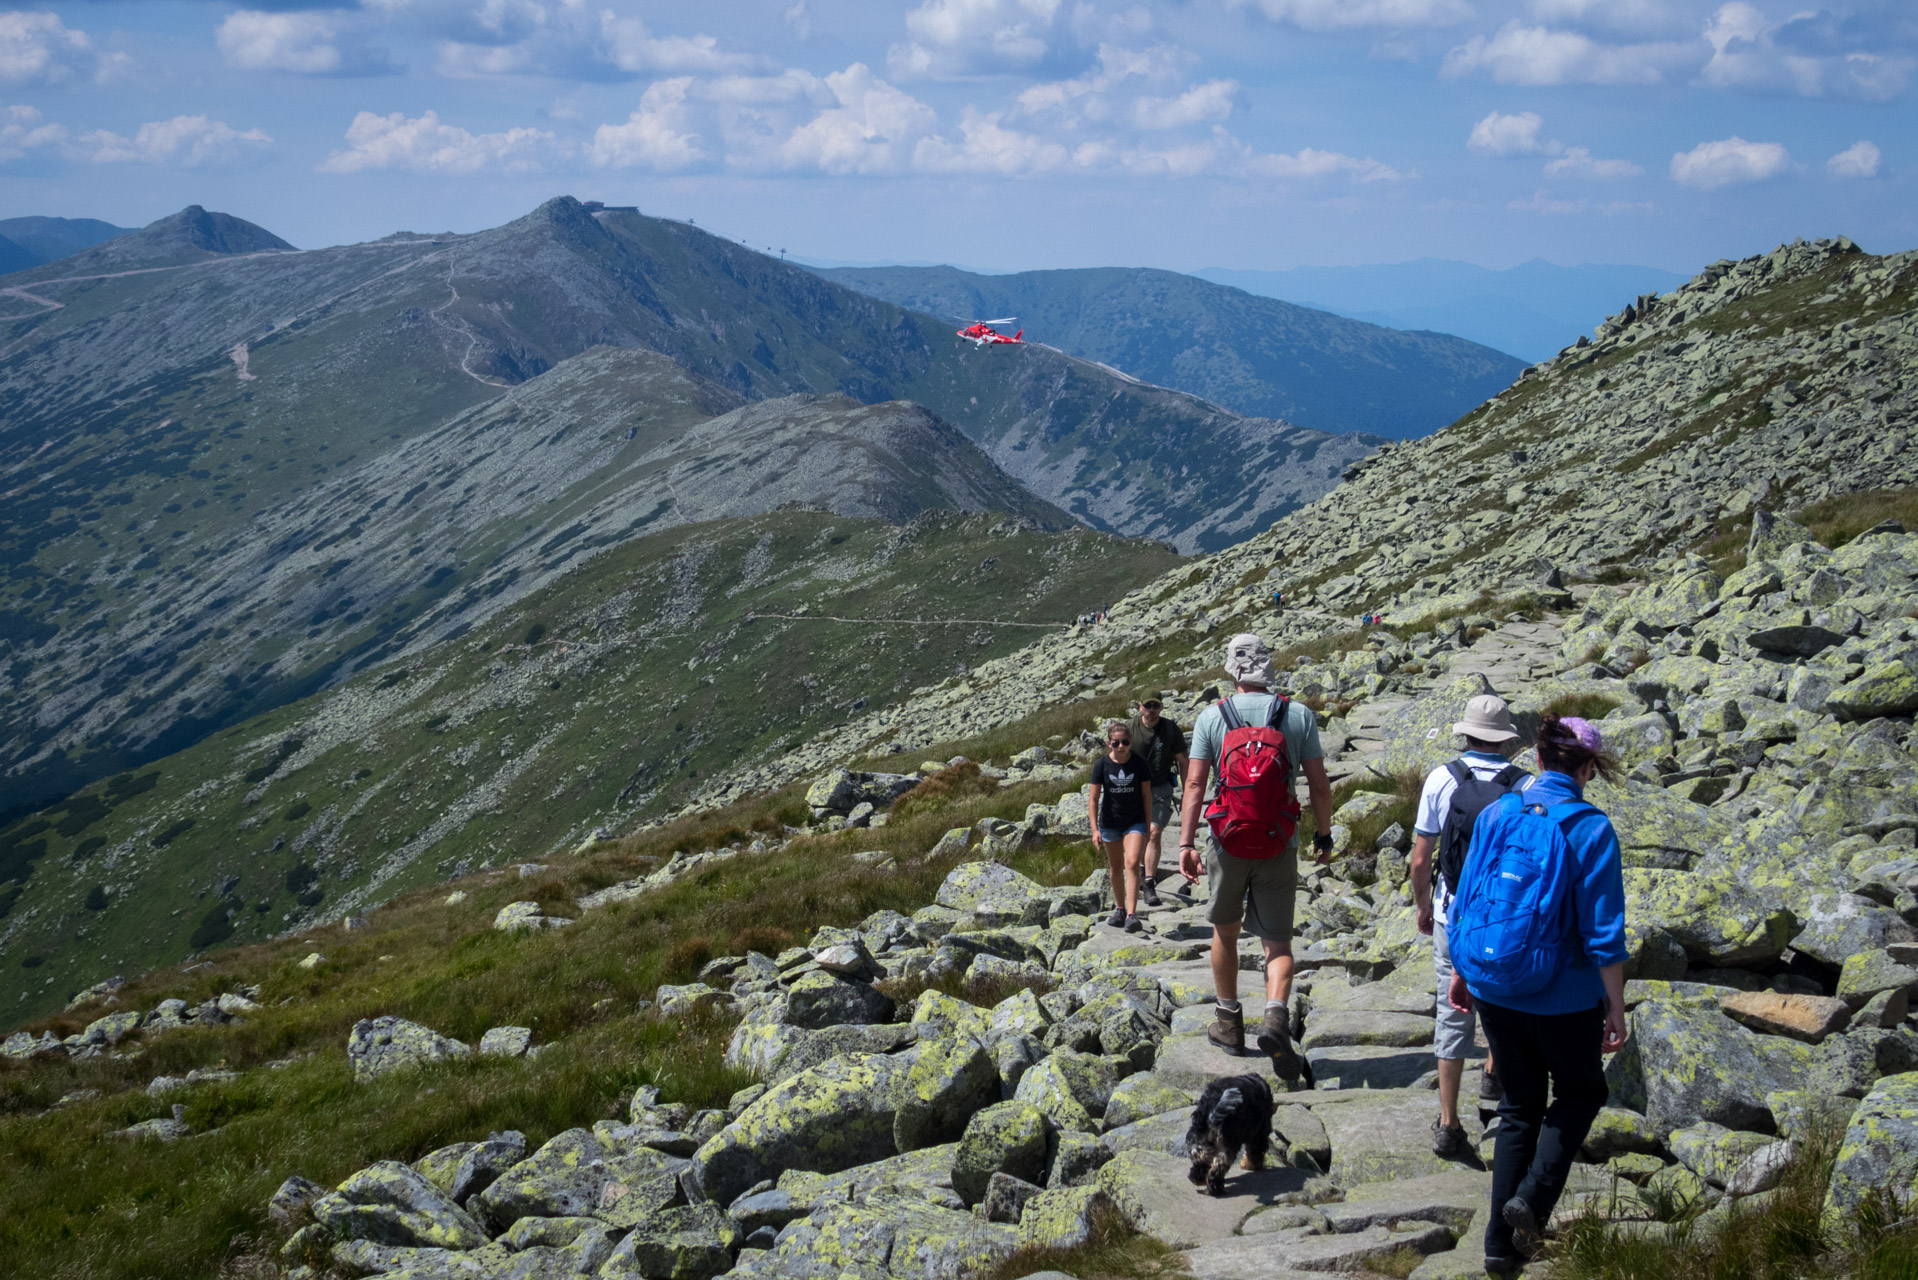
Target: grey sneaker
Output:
[(1133, 924), (1117, 918), (1524, 1224), (1275, 1041), (1149, 892), (1227, 1029), (1449, 1142)]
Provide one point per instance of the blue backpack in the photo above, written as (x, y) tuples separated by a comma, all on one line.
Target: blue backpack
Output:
[(1508, 929)]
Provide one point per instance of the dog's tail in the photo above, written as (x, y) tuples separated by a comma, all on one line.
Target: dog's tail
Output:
[(1230, 1103)]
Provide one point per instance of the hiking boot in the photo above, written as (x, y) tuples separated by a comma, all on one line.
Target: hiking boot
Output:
[(1524, 1224), (1149, 892), (1502, 1266), (1133, 924), (1489, 1089), (1275, 1041), (1117, 918), (1227, 1029), (1449, 1142)]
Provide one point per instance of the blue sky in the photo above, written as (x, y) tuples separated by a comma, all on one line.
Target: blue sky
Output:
[(1002, 133)]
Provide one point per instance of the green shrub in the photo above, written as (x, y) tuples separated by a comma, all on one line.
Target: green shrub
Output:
[(215, 926), (1586, 706), (295, 811), (96, 898)]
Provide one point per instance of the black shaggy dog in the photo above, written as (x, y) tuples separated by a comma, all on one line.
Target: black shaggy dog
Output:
[(1234, 1113)]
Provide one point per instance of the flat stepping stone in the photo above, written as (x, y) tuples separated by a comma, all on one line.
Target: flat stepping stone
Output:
[(1372, 997), (1451, 1199), (1381, 1135), (1192, 1020), (1295, 1253), (1363, 1027), (1368, 1067), (1192, 1061), (1152, 1191), (1161, 1134)]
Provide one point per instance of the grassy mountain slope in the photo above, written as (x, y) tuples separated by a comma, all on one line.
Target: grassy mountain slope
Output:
[(1258, 356), (48, 239), (194, 394), (15, 257), (603, 698)]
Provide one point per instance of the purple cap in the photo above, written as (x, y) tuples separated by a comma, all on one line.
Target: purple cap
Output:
[(1584, 732)]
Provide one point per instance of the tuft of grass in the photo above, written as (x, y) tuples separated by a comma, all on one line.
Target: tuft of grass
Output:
[(1586, 706), (961, 781), (984, 992), (1839, 519), (1115, 1252), (1404, 789), (1401, 1262)]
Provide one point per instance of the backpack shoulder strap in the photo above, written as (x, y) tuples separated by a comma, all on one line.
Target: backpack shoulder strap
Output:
[(1276, 718), (1580, 809), (1230, 714), (1508, 776)]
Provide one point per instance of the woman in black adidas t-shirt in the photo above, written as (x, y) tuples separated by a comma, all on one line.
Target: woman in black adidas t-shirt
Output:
[(1120, 800)]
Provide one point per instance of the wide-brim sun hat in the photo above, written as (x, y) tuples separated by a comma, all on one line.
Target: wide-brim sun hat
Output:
[(1488, 719)]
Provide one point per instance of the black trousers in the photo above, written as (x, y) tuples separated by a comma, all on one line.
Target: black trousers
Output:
[(1559, 1054)]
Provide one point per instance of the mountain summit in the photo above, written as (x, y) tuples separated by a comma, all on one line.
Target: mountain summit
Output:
[(191, 235)]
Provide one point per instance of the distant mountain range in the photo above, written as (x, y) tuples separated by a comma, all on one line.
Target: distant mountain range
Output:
[(28, 242), (1532, 310), (1253, 355)]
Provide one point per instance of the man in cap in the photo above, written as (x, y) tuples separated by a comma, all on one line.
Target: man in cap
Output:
[(1160, 743), (1454, 795), (1256, 893)]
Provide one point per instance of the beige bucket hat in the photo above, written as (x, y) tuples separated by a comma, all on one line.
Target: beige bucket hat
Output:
[(1488, 719)]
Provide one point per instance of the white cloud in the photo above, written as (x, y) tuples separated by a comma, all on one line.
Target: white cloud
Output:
[(1728, 161), (1499, 134), (22, 133), (1577, 162), (425, 145), (1542, 202), (988, 146), (1201, 104), (1518, 54), (873, 127), (656, 136), (571, 41), (1314, 163), (1812, 53), (962, 37), (631, 47), (1095, 97), (303, 43), (1333, 15), (185, 140), (799, 17), (1859, 160), (1645, 17), (38, 48)]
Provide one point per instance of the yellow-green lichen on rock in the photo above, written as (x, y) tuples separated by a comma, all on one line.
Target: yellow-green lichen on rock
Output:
[(392, 1203), (1718, 922), (1880, 1149), (832, 1117), (946, 1080)]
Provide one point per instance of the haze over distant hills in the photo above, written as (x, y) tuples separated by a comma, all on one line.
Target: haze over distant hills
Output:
[(28, 242), (1254, 355), (1532, 310)]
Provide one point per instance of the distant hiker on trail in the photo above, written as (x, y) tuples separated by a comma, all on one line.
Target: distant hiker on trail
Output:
[(1120, 800), (1538, 939), (1259, 741), (1451, 802), (1160, 745)]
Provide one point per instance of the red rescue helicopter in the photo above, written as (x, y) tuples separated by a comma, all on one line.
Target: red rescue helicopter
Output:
[(980, 333)]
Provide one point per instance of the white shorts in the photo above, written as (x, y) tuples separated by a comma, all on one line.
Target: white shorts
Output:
[(1455, 1034)]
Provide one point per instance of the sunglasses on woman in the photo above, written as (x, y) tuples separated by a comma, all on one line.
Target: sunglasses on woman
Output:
[(1120, 742)]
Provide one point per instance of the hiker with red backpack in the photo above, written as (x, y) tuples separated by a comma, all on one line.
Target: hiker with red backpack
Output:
[(1537, 933), (1259, 742), (1453, 797)]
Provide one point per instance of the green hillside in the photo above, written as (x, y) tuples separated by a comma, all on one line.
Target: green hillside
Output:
[(1257, 356)]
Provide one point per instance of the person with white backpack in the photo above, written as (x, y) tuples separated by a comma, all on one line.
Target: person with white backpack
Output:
[(1537, 935)]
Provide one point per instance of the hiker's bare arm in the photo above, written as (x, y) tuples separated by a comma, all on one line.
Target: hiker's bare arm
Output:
[(1613, 976), (1092, 813), (1196, 772), (1320, 789), (1420, 869)]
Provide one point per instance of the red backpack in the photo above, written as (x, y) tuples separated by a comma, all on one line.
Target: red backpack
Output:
[(1254, 813)]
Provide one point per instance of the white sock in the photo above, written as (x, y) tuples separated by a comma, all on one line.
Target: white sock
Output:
[(1230, 1006)]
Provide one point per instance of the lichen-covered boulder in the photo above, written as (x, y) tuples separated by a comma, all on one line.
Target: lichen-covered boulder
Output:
[(1007, 1137), (1418, 736), (1887, 689), (684, 1242), (1064, 1218), (292, 1204), (467, 1168), (392, 1203), (1071, 1088), (1717, 921), (1617, 1132), (1688, 1062), (831, 1117), (1866, 973), (1013, 1055), (1840, 925), (1019, 1013), (1714, 1152), (1140, 1096), (937, 1014), (576, 1176), (379, 1045), (945, 1082), (776, 1051), (823, 998), (993, 887), (1880, 1149), (895, 1238)]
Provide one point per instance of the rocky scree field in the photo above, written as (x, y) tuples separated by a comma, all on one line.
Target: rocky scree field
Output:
[(854, 1037)]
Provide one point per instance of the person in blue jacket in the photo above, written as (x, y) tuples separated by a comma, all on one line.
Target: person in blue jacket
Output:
[(1553, 1041)]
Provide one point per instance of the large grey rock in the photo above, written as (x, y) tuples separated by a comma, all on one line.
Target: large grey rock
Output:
[(1363, 1067), (1718, 922), (684, 1242), (1007, 1137), (1191, 1061), (1880, 1148), (1300, 1252), (1358, 1027), (1377, 1134), (776, 1051), (1142, 1096), (379, 1045), (1153, 1193), (823, 998), (1071, 1088), (392, 1203), (466, 1168), (1450, 1199), (1840, 925), (898, 1238), (1418, 736), (831, 1117), (1712, 1151), (946, 1081), (1687, 1062), (575, 1176)]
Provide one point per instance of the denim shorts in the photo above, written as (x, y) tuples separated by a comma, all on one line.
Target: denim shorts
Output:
[(1111, 836)]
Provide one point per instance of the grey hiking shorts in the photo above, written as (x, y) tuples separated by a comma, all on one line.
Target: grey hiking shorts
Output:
[(1258, 891), (1454, 1036), (1162, 805)]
